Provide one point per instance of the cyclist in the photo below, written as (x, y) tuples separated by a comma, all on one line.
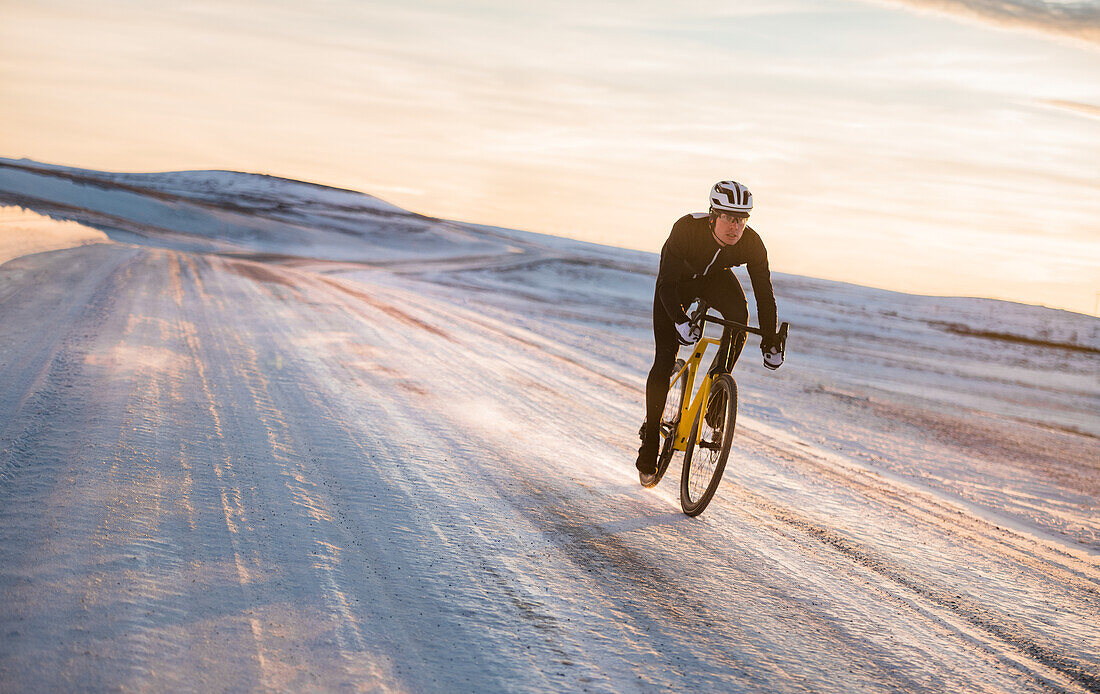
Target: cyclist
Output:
[(696, 263)]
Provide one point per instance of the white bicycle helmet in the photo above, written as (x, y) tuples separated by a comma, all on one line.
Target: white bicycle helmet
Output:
[(730, 197)]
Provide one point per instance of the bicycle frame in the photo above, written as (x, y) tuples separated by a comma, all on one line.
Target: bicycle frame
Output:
[(692, 404)]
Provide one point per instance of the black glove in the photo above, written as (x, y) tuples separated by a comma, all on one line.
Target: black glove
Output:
[(771, 348)]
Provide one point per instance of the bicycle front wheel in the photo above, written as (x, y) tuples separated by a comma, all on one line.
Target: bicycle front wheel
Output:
[(670, 418), (708, 446)]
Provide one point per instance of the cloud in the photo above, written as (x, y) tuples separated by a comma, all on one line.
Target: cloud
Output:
[(1075, 106), (1079, 20)]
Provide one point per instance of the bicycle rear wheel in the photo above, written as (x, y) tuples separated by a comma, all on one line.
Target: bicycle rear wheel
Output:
[(708, 446), (670, 418)]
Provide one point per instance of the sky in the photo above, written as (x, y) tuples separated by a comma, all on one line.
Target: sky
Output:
[(946, 147)]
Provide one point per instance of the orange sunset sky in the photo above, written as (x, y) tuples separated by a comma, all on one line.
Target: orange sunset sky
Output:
[(937, 148)]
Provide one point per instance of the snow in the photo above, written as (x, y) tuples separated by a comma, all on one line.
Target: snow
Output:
[(277, 436), (222, 211)]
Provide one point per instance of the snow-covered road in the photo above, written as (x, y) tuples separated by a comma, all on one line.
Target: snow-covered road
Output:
[(221, 474), (218, 474)]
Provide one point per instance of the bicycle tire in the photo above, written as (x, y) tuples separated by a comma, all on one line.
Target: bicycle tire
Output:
[(708, 446), (670, 419)]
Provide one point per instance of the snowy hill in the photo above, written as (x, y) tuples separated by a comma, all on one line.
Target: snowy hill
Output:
[(277, 436), (227, 211)]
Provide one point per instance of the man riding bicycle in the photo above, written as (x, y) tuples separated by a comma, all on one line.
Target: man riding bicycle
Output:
[(696, 263)]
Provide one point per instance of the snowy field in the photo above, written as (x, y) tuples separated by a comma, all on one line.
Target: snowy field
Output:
[(265, 435)]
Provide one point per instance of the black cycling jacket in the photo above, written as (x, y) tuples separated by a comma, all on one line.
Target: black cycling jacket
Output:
[(691, 252)]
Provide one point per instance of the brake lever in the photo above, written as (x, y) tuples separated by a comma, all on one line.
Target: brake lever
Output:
[(699, 314)]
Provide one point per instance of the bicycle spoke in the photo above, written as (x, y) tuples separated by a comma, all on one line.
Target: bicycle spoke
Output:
[(670, 418), (708, 447)]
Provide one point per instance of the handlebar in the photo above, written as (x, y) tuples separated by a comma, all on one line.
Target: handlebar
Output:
[(700, 318)]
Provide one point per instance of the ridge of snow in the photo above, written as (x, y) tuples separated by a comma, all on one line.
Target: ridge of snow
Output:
[(257, 190)]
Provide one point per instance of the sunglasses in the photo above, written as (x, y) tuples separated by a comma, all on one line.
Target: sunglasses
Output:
[(733, 218)]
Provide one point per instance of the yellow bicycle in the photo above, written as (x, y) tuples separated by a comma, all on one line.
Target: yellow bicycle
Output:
[(703, 435)]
